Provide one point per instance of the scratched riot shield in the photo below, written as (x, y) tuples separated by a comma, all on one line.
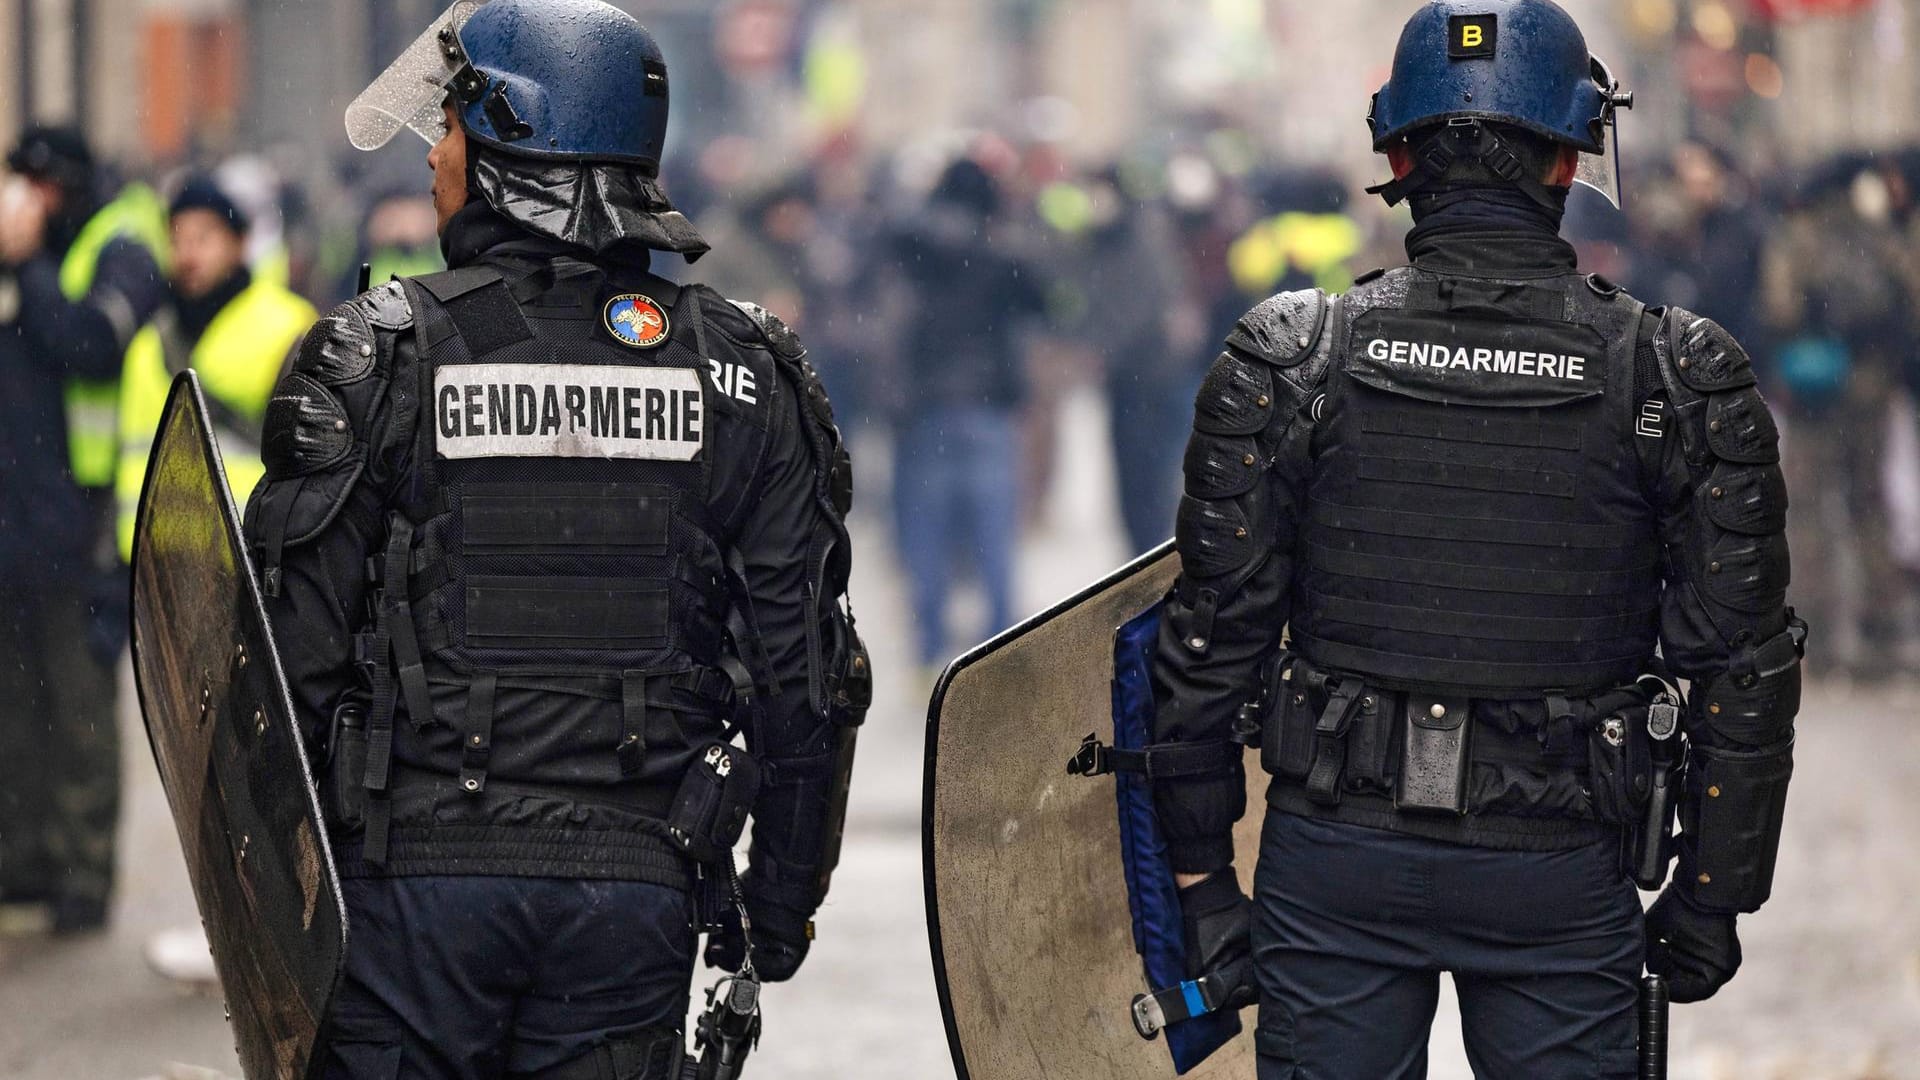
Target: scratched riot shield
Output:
[(1034, 942), (221, 724)]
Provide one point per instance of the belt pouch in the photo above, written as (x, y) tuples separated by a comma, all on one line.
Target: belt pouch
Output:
[(347, 767), (1433, 755), (716, 794), (1286, 745), (1620, 767)]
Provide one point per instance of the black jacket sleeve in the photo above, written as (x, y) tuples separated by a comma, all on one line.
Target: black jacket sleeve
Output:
[(1725, 625), (88, 338), (1246, 469), (334, 441)]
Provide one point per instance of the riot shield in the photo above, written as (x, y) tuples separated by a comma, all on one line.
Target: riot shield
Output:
[(1026, 892), (230, 757)]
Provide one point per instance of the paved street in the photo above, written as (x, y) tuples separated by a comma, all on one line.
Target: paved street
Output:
[(1831, 990)]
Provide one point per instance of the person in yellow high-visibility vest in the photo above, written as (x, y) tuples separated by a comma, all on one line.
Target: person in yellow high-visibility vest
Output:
[(235, 328), (231, 327), (79, 276)]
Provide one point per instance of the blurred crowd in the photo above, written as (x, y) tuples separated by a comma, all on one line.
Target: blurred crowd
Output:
[(953, 305), (953, 293)]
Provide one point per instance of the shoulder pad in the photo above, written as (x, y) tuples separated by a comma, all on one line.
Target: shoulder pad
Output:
[(340, 348), (1740, 428), (1704, 355), (386, 306), (774, 332), (1283, 328), (1235, 398), (306, 429)]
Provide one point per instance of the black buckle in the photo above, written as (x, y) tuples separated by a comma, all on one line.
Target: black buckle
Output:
[(1330, 740), (1499, 159), (506, 123), (1091, 759), (1436, 156)]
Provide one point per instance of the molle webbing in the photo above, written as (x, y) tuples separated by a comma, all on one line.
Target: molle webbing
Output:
[(1471, 540)]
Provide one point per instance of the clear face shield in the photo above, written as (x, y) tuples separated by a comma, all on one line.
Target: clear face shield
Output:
[(1601, 171), (410, 92)]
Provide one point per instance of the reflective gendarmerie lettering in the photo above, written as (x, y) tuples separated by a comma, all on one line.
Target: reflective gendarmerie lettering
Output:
[(568, 410), (1467, 359), (1545, 365)]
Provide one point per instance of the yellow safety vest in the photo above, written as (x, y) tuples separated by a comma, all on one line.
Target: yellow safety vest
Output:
[(139, 215), (1318, 245), (239, 359)]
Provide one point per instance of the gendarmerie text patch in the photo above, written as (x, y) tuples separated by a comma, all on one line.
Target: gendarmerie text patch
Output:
[(568, 410)]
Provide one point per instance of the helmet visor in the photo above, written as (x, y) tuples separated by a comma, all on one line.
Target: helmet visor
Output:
[(1601, 171), (409, 93)]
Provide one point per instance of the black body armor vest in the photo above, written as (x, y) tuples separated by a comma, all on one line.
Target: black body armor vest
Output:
[(1476, 521), (554, 588)]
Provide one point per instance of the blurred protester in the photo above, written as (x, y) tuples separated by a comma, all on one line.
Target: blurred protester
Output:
[(398, 238), (960, 388), (79, 276), (234, 329), (1838, 298), (1702, 248), (236, 332), (1140, 319), (1305, 240)]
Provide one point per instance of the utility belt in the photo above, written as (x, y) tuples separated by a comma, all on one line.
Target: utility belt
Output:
[(1595, 757), (703, 817)]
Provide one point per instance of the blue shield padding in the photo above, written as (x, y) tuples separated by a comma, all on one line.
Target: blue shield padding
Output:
[(1152, 896)]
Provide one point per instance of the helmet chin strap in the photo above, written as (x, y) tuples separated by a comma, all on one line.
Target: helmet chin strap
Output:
[(1464, 140)]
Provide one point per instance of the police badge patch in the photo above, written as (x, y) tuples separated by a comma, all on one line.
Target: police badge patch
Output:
[(636, 320)]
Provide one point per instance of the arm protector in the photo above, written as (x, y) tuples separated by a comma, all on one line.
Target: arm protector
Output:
[(331, 451), (801, 808), (1724, 621), (1246, 467)]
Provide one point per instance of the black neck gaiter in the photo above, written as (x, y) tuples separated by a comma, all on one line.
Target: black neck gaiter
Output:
[(1451, 219), (197, 314)]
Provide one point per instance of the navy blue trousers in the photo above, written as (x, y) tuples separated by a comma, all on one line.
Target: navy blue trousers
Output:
[(484, 978), (1353, 926)]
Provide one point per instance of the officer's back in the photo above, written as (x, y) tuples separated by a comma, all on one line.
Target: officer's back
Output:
[(540, 535), (1479, 493)]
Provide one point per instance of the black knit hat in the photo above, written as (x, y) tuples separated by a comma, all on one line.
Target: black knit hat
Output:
[(55, 154), (201, 193)]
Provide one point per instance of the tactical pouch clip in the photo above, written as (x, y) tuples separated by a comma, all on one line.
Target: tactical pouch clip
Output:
[(346, 764), (1433, 755), (1330, 739), (710, 810)]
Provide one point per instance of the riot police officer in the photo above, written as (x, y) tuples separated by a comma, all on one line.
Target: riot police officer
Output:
[(1477, 492), (537, 533)]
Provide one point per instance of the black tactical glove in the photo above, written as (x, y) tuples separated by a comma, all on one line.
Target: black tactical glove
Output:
[(1217, 921), (1696, 951), (781, 937)]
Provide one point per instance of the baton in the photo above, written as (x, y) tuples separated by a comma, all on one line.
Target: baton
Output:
[(1653, 1028)]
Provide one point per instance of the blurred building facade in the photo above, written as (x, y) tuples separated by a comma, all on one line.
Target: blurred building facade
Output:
[(157, 80)]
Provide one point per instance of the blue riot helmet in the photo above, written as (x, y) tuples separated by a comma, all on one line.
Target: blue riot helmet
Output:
[(1462, 65), (564, 104)]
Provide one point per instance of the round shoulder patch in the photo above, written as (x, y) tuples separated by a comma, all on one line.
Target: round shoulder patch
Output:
[(636, 320)]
